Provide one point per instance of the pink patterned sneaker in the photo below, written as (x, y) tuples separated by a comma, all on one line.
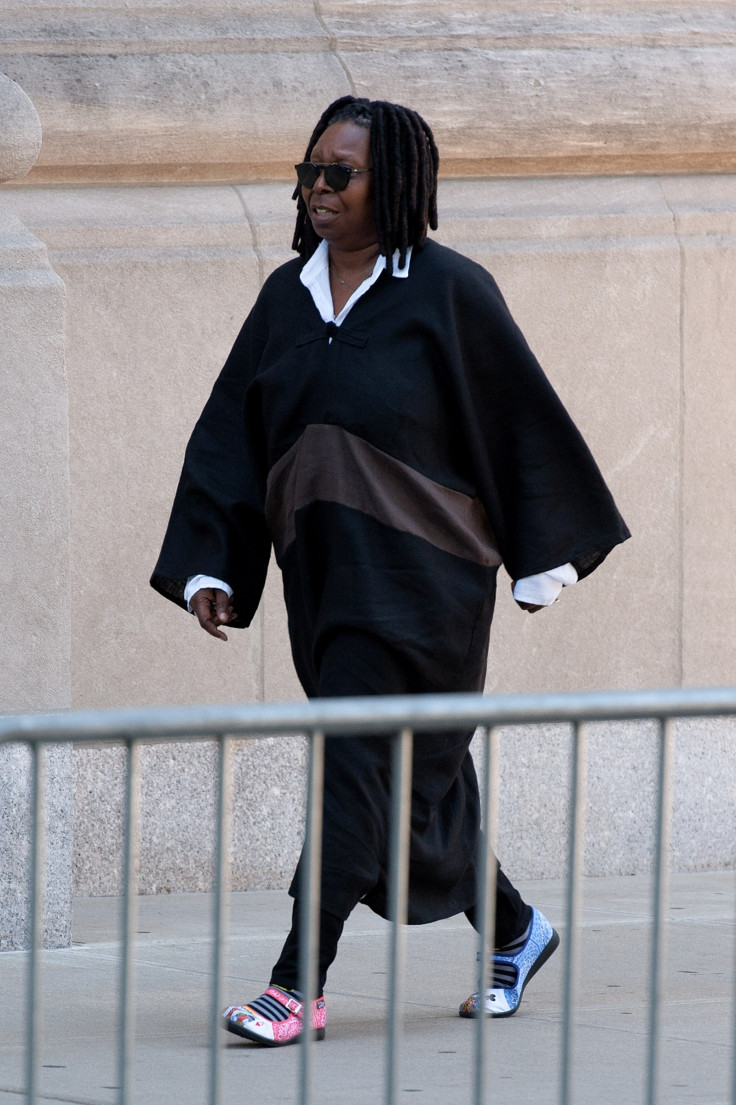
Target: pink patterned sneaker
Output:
[(275, 1018)]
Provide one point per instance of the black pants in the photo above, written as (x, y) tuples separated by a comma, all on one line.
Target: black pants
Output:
[(285, 974), (445, 819)]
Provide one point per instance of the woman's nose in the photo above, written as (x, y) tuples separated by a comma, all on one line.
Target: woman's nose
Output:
[(321, 184)]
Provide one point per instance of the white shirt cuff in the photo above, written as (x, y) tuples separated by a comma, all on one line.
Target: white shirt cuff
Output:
[(196, 583), (543, 589)]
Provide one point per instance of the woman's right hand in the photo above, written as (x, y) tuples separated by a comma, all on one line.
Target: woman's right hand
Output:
[(213, 609)]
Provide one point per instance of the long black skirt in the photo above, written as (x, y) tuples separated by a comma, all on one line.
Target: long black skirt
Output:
[(445, 813)]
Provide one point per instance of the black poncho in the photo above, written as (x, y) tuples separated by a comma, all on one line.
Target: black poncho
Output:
[(393, 468)]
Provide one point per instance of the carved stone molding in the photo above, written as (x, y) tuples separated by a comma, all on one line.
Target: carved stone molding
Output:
[(20, 133), (171, 92)]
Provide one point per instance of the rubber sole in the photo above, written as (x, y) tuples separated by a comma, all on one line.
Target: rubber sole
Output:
[(549, 948), (246, 1034)]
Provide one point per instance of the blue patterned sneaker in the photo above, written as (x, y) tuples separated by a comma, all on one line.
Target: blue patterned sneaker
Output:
[(512, 972)]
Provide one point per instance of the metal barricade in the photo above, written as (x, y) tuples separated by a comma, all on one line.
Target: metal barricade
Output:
[(402, 718)]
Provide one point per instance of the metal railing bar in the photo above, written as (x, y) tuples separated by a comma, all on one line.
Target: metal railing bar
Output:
[(486, 902), (576, 847), (223, 823), (309, 908), (350, 716), (401, 771), (35, 918), (126, 1025), (660, 898)]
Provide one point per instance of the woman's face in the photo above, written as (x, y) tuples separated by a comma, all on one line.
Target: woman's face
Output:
[(344, 218)]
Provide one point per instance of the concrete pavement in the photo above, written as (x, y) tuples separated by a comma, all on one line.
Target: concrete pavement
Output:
[(77, 1059)]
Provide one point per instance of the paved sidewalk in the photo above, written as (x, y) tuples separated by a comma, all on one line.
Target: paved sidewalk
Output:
[(173, 974)]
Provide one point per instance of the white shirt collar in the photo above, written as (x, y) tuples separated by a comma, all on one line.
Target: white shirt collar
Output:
[(315, 276)]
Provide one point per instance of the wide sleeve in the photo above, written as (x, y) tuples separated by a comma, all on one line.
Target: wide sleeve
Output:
[(543, 492), (217, 525)]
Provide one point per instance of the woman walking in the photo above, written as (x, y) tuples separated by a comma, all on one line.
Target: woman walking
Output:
[(382, 423)]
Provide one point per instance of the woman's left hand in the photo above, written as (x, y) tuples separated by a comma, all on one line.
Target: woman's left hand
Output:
[(528, 606)]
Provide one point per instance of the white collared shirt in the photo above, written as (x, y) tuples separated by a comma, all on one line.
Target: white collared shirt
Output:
[(540, 590), (315, 276)]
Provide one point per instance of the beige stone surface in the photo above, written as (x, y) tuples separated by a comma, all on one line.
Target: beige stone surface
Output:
[(619, 799), (127, 91), (177, 825), (16, 769), (158, 285), (703, 817), (705, 224), (590, 269), (177, 807), (99, 796)]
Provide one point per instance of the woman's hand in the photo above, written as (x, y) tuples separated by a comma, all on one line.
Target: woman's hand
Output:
[(528, 606), (213, 609)]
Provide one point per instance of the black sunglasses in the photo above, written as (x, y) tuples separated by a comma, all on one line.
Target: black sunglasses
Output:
[(337, 177)]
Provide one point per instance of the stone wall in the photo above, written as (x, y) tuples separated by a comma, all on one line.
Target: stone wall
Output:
[(586, 159)]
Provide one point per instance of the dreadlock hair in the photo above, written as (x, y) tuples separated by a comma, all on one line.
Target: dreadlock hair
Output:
[(404, 179)]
